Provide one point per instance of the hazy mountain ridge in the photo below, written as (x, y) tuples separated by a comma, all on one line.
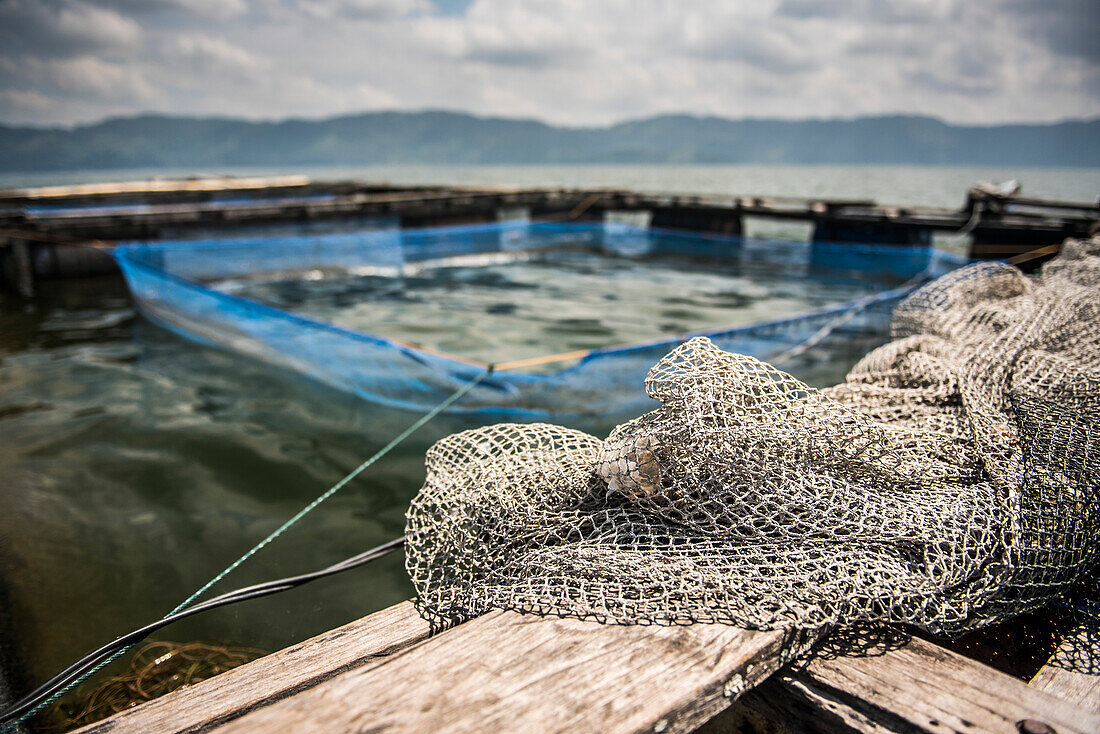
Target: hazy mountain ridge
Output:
[(152, 141)]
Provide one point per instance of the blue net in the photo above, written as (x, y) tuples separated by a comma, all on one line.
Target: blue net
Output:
[(181, 285)]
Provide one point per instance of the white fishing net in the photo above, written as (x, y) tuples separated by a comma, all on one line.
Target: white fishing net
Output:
[(951, 481)]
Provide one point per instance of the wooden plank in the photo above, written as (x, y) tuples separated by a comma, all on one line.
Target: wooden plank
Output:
[(785, 706), (519, 672), (274, 677), (1058, 678), (22, 267), (919, 687), (510, 672), (163, 185)]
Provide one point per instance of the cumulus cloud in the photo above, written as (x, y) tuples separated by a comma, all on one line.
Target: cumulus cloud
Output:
[(1064, 27), (570, 61), (84, 77), (49, 28), (361, 9), (208, 56), (219, 10)]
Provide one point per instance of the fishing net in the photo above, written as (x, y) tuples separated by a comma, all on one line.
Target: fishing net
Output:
[(950, 482)]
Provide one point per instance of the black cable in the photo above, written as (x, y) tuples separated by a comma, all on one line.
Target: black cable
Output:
[(47, 689)]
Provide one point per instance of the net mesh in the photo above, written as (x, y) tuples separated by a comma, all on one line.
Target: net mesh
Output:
[(950, 482), (192, 287)]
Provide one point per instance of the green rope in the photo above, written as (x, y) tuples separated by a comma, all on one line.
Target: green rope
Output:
[(274, 534)]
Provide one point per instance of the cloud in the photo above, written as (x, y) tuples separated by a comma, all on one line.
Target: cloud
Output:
[(219, 10), (769, 49), (63, 28), (212, 56), (1065, 27), (361, 9), (577, 62), (801, 9), (892, 11), (85, 78), (26, 101)]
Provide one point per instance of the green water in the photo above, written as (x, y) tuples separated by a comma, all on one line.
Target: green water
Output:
[(135, 465), (538, 304), (138, 464)]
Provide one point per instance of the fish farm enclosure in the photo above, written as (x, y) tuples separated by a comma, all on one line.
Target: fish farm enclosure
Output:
[(571, 315), (318, 321)]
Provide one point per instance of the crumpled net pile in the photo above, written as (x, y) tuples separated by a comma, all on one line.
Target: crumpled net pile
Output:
[(950, 482)]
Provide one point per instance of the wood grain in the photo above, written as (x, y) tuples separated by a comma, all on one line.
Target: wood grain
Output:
[(513, 672), (510, 672), (919, 687), (273, 677), (1076, 687)]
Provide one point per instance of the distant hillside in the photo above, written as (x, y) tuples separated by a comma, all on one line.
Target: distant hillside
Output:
[(454, 138)]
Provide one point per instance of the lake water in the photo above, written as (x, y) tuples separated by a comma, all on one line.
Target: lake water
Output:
[(513, 306), (137, 464)]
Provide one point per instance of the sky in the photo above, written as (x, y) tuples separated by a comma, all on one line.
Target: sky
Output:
[(570, 62)]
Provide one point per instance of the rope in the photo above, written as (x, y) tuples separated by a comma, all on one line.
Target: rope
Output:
[(858, 307), (975, 217), (272, 536), (1024, 257)]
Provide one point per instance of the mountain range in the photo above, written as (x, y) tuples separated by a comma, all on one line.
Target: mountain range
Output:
[(437, 137)]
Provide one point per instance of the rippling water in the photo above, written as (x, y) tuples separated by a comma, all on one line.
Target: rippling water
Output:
[(534, 305), (137, 464)]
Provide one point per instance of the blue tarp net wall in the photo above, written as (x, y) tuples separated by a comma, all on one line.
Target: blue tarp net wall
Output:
[(168, 282)]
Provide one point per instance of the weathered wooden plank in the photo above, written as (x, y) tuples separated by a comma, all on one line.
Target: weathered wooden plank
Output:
[(159, 186), (510, 672), (919, 687), (521, 672), (784, 705), (1077, 687), (274, 677)]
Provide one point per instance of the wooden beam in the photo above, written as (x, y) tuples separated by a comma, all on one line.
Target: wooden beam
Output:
[(517, 672), (22, 267), (1060, 678), (510, 672), (158, 186), (919, 687), (217, 700)]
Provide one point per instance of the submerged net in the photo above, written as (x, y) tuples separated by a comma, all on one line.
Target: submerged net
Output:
[(950, 482), (264, 297)]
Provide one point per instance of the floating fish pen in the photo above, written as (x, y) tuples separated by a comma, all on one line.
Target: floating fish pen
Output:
[(68, 231), (406, 317), (739, 460), (752, 541)]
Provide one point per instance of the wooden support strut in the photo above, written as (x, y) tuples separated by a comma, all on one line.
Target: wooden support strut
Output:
[(22, 268)]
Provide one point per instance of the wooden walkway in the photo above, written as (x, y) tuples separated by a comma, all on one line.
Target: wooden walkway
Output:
[(510, 672), (140, 210), (46, 233)]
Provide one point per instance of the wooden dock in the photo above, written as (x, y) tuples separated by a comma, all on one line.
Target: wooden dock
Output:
[(42, 231), (510, 672), (515, 672)]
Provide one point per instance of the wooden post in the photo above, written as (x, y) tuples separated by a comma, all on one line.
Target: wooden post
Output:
[(21, 266)]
